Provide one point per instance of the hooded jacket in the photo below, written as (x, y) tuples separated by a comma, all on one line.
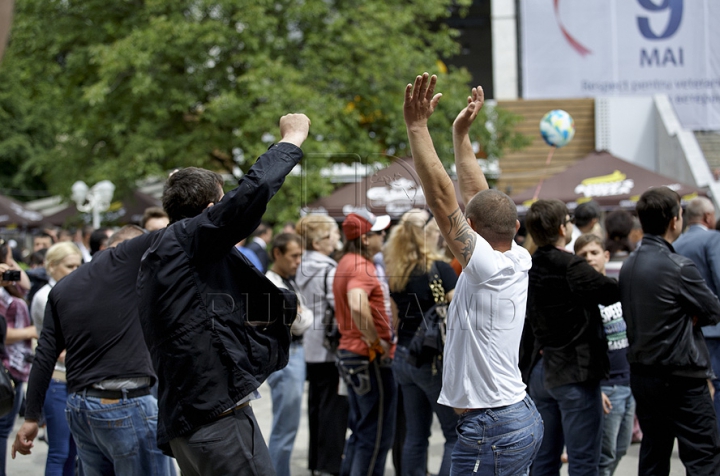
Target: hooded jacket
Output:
[(314, 268)]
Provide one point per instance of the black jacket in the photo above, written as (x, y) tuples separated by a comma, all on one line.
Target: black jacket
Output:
[(215, 326), (563, 296), (662, 292)]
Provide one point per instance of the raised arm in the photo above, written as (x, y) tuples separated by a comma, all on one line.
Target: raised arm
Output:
[(438, 188), (470, 175)]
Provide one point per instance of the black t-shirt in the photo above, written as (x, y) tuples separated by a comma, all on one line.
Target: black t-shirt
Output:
[(417, 298), (93, 314)]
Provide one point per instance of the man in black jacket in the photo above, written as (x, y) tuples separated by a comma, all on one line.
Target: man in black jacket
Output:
[(666, 302), (215, 326), (563, 296)]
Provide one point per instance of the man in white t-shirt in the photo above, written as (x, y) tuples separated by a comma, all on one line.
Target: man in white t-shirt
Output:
[(500, 430)]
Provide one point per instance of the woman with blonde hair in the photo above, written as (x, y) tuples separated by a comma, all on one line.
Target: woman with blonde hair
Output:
[(61, 259), (411, 255), (327, 411)]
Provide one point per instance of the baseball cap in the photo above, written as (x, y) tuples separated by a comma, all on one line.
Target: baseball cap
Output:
[(362, 221)]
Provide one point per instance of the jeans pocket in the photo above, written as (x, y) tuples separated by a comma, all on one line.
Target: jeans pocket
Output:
[(515, 451), (116, 435), (356, 374)]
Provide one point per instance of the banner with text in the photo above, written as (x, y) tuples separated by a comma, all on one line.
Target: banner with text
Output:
[(625, 47)]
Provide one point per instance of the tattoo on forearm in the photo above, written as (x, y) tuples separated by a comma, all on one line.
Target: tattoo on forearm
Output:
[(460, 231)]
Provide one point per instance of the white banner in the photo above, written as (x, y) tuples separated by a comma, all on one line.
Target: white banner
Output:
[(574, 48)]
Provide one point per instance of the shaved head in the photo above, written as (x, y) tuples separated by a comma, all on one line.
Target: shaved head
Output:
[(493, 216)]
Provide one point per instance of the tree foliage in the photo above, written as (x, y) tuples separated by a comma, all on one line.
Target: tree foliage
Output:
[(126, 89)]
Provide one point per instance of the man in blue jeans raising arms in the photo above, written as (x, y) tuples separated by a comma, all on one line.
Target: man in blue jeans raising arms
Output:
[(499, 430)]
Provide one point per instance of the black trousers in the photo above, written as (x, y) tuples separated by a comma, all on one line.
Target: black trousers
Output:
[(327, 418), (231, 445), (676, 407)]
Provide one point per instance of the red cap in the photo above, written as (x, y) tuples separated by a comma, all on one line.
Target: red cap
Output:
[(360, 222)]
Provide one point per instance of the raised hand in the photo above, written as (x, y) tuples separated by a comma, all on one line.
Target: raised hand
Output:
[(294, 128), (420, 102), (467, 116)]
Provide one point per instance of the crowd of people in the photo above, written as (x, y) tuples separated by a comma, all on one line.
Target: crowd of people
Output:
[(153, 339)]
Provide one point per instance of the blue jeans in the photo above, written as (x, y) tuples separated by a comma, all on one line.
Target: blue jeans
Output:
[(8, 422), (498, 441), (572, 415), (713, 345), (372, 395), (286, 389), (116, 436), (617, 427), (420, 391), (61, 446)]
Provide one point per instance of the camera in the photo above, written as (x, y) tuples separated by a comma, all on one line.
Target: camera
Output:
[(11, 275)]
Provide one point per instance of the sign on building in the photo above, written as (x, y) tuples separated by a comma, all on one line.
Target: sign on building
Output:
[(594, 48)]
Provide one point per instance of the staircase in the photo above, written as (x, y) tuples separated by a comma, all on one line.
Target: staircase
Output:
[(709, 142), (524, 169)]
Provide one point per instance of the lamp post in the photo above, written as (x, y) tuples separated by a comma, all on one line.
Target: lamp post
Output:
[(95, 199)]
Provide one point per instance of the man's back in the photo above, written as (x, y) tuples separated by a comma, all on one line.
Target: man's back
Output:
[(563, 295), (92, 315), (702, 246), (215, 326), (484, 327)]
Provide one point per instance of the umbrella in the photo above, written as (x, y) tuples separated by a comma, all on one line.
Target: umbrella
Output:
[(389, 191), (14, 213), (609, 180)]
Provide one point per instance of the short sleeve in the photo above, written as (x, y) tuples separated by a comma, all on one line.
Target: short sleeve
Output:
[(362, 280)]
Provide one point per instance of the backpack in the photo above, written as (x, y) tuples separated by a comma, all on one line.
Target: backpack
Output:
[(331, 338), (428, 343)]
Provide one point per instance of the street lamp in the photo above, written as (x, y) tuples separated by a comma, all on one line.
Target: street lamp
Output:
[(95, 199)]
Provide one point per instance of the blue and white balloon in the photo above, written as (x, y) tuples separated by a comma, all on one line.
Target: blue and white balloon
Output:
[(557, 128)]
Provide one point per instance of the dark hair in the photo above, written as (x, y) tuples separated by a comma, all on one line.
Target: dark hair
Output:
[(37, 258), (188, 192), (355, 246), (493, 215), (152, 212), (544, 220), (98, 239), (583, 240), (618, 225), (127, 232), (281, 242), (656, 209), (43, 234), (585, 213), (261, 229)]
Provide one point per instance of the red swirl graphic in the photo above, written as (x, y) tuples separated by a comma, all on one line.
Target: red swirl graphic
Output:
[(573, 42)]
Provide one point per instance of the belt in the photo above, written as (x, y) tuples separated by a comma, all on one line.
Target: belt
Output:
[(232, 410), (116, 394)]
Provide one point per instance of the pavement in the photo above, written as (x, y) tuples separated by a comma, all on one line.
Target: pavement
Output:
[(34, 464)]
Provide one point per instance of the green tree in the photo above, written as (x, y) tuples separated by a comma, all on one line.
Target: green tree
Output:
[(138, 87)]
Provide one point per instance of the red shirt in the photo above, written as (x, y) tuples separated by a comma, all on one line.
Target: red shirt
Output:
[(354, 271)]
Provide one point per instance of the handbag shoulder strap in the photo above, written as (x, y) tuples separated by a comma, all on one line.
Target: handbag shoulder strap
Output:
[(436, 284)]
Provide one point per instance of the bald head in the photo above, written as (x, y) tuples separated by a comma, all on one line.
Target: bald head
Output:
[(494, 216), (128, 232), (700, 210), (6, 7)]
